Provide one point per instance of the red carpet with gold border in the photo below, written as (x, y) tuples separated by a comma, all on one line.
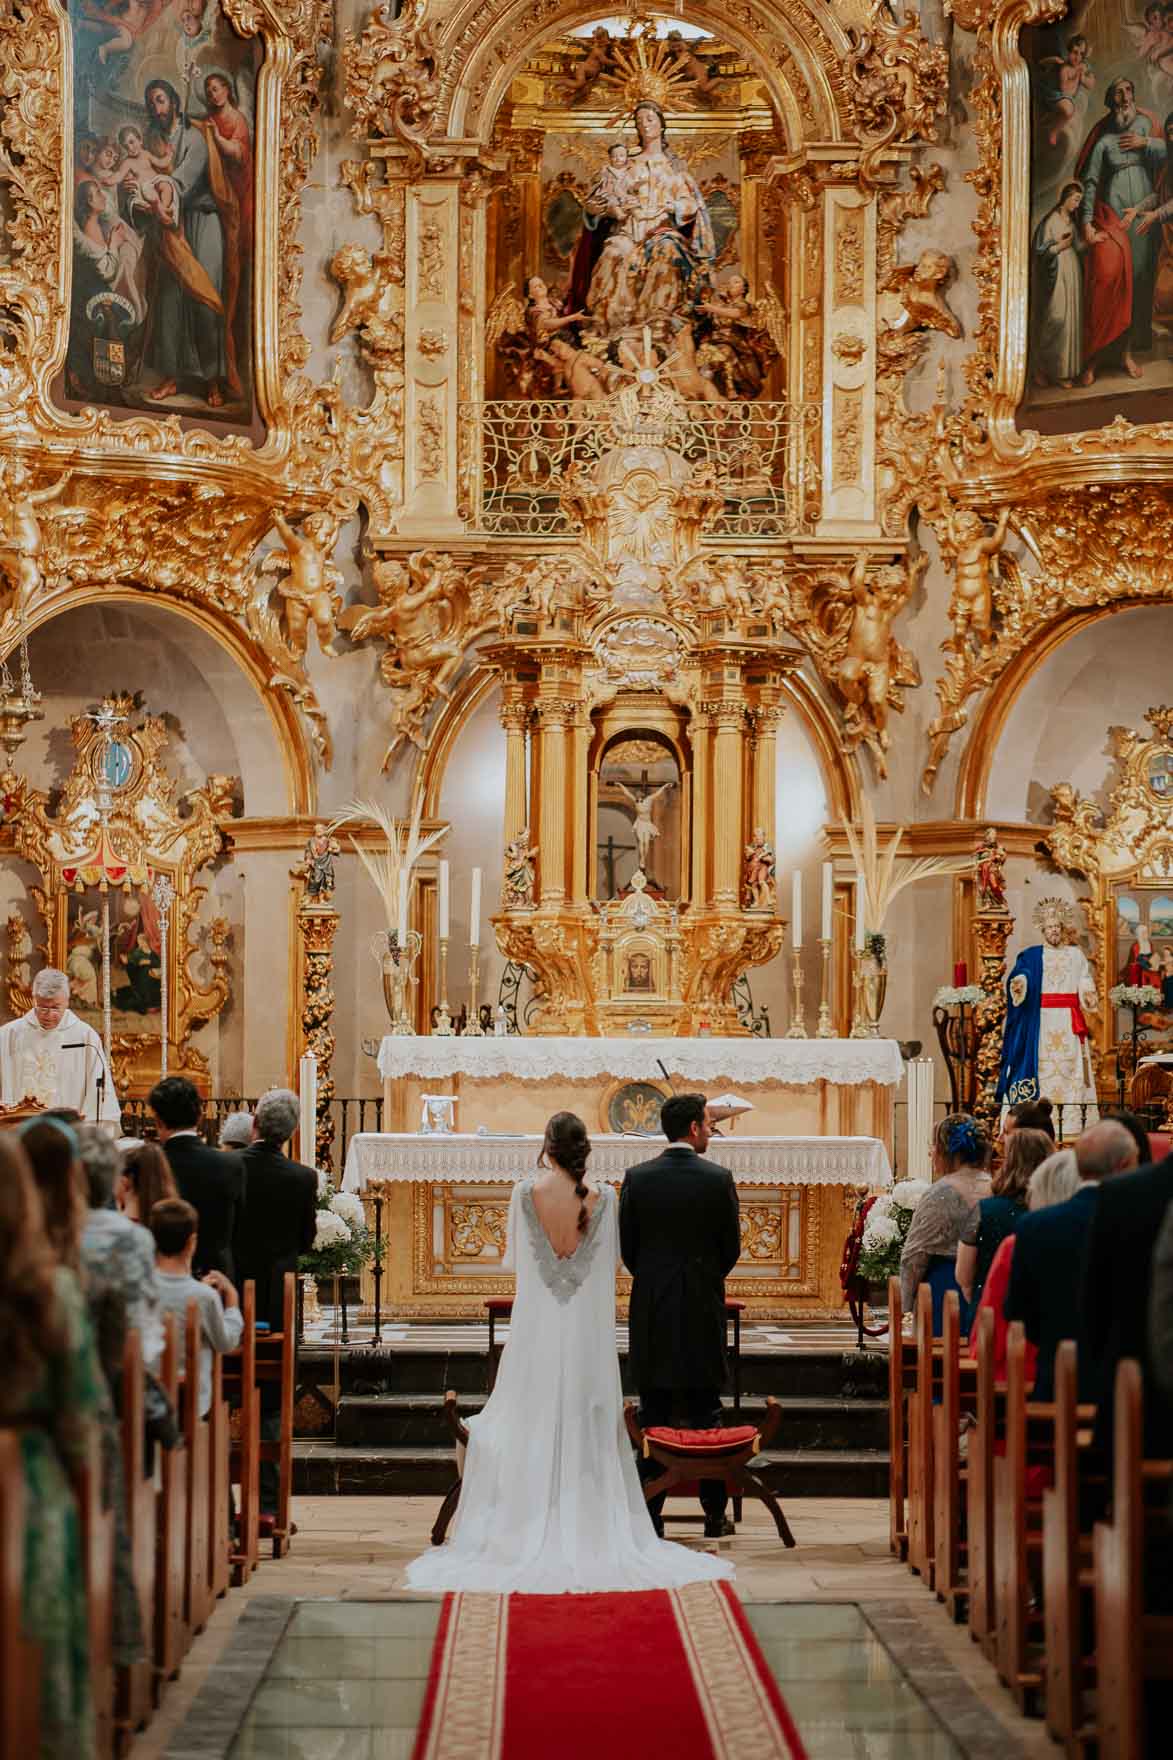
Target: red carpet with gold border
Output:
[(602, 1677)]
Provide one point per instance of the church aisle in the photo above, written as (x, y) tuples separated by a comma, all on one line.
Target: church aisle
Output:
[(842, 1682)]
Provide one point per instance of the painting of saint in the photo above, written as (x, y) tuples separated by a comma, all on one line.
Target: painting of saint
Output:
[(136, 974), (1101, 288), (163, 205)]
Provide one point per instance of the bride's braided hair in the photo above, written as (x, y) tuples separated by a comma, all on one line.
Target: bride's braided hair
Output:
[(568, 1144)]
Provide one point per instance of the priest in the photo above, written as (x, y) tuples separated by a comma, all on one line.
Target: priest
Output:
[(51, 1056)]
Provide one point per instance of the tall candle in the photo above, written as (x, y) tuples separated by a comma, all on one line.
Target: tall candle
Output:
[(828, 899), (960, 974), (443, 901), (401, 936), (796, 909), (474, 911), (859, 908), (307, 1095)]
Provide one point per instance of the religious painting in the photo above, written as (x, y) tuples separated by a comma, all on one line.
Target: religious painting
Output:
[(639, 972), (1100, 341), (1144, 955), (161, 295), (632, 1109), (136, 951)]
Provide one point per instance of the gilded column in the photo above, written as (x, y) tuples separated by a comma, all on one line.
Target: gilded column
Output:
[(765, 769), (727, 801), (515, 720), (431, 319), (701, 732), (552, 720), (317, 925), (580, 827)]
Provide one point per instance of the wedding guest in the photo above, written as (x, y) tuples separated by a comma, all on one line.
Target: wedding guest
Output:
[(51, 1388), (174, 1224), (1029, 1115), (146, 1178), (237, 1131), (114, 1246), (996, 1215), (1053, 1181), (206, 1178), (1044, 1290), (961, 1151), (51, 1147), (1132, 1124), (1161, 1314)]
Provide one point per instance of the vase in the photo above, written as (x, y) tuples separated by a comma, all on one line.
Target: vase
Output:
[(875, 989), (310, 1306)]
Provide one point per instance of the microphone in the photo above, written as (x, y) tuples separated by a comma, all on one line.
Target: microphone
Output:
[(664, 1073)]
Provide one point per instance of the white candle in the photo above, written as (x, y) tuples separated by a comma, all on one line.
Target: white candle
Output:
[(828, 899), (443, 901), (307, 1090), (796, 910), (404, 882), (474, 911), (859, 906)]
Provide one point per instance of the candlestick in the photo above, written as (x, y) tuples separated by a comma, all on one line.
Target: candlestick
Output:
[(825, 1028), (474, 1029), (797, 1028), (859, 910), (796, 911), (859, 1026), (828, 900), (474, 910), (443, 1028), (443, 903)]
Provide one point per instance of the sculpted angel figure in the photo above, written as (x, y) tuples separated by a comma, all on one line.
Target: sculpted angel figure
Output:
[(365, 281), (743, 337), (597, 60), (919, 287), (972, 605), (309, 580), (22, 538), (519, 870), (644, 825), (867, 671)]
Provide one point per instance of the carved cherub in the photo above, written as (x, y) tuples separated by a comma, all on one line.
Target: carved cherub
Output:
[(309, 583), (990, 871), (686, 60), (972, 605), (22, 538), (576, 371), (872, 658), (519, 871), (744, 336), (598, 59), (920, 289), (423, 615), (365, 282)]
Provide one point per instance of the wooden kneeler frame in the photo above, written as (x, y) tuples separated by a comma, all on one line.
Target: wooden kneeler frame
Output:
[(680, 1468)]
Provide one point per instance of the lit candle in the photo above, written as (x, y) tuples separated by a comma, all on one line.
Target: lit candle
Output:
[(474, 911), (401, 932), (828, 898), (443, 901), (796, 909), (859, 907)]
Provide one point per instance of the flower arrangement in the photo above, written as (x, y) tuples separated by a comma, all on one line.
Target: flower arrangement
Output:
[(958, 995), (343, 1242), (885, 1230), (1134, 996)]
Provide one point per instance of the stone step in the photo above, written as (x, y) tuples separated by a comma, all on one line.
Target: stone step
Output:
[(324, 1469), (410, 1420)]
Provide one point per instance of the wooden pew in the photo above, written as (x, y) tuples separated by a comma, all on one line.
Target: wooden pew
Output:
[(20, 1666), (1067, 1574), (219, 1487), (134, 1686), (240, 1386), (172, 1633), (277, 1363), (1018, 1534), (901, 1358), (921, 1551), (950, 1470), (97, 1540), (1132, 1645), (979, 1468), (197, 1435)]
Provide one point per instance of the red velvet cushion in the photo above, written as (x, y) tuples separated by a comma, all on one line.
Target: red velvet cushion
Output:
[(500, 1304), (711, 1442), (734, 1307)]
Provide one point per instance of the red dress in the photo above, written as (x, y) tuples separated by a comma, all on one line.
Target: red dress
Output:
[(993, 1296)]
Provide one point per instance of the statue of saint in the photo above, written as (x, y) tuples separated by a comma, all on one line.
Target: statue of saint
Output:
[(758, 873), (990, 872), (1045, 1042), (519, 870), (317, 866)]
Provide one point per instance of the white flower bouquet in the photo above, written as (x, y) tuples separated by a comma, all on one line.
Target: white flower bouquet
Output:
[(885, 1229), (1134, 996), (953, 995), (343, 1242)]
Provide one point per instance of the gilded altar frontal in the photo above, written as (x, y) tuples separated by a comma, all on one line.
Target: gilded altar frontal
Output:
[(520, 520)]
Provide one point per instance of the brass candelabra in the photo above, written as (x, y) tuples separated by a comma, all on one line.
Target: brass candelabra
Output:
[(443, 1028), (473, 1029), (797, 1028), (826, 1028), (860, 1029)]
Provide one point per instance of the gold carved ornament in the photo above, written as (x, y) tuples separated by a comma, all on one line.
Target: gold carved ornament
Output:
[(391, 76), (898, 84), (145, 836)]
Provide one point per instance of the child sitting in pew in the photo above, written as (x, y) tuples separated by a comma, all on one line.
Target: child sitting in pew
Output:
[(174, 1224)]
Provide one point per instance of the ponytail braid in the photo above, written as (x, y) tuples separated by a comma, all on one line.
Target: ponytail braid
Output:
[(569, 1146)]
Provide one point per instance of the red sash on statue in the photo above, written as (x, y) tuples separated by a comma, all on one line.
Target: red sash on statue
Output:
[(1066, 999)]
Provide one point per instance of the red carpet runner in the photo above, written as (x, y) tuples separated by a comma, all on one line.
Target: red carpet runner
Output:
[(602, 1677)]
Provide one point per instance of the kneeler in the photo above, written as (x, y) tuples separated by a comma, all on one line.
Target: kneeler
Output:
[(686, 1456)]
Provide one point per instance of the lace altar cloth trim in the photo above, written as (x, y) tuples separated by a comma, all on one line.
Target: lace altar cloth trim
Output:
[(790, 1062), (753, 1161)]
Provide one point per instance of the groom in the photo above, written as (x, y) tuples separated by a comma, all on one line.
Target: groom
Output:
[(680, 1235)]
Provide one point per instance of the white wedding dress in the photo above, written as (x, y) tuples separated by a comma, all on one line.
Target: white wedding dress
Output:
[(551, 1500)]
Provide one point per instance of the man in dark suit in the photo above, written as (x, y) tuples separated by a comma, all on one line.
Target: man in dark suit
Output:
[(680, 1235), (1117, 1284), (278, 1222), (1049, 1247), (208, 1179)]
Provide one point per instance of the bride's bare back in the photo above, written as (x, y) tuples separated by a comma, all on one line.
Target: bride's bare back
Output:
[(557, 1205)]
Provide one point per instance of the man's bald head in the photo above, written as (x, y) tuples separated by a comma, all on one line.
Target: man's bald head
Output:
[(1104, 1149)]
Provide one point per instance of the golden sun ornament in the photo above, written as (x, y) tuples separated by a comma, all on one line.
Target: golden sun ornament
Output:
[(645, 72)]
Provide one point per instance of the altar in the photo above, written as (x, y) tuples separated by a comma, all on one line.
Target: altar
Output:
[(446, 1203)]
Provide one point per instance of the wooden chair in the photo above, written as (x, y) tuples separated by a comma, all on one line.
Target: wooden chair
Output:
[(921, 1550), (1067, 1574), (172, 1634), (1018, 1534), (276, 1363), (950, 1469), (240, 1388), (459, 1433), (197, 1435), (20, 1662), (1132, 1645), (901, 1379), (979, 1468), (134, 1685), (688, 1455), (97, 1539)]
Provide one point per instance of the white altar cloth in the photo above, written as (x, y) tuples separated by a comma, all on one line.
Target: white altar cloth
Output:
[(781, 1062), (462, 1159)]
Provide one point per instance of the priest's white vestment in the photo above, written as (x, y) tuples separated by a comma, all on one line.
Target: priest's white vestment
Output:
[(59, 1066)]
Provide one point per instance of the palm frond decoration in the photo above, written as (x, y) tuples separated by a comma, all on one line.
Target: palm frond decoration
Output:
[(388, 866), (882, 880)]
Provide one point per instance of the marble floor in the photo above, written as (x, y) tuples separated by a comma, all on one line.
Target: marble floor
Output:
[(861, 1650)]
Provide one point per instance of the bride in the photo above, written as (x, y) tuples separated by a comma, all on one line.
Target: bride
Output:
[(550, 1500)]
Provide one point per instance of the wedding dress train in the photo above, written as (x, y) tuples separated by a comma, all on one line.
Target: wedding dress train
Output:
[(551, 1500)]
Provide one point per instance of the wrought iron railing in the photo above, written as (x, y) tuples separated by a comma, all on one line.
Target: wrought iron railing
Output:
[(351, 1114), (764, 458)]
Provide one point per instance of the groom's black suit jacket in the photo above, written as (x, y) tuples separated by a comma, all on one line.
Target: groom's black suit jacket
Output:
[(680, 1235)]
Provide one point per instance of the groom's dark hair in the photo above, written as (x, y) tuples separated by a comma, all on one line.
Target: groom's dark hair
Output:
[(679, 1113)]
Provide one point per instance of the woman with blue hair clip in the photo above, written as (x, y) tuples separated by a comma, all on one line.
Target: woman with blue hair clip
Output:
[(961, 1152)]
